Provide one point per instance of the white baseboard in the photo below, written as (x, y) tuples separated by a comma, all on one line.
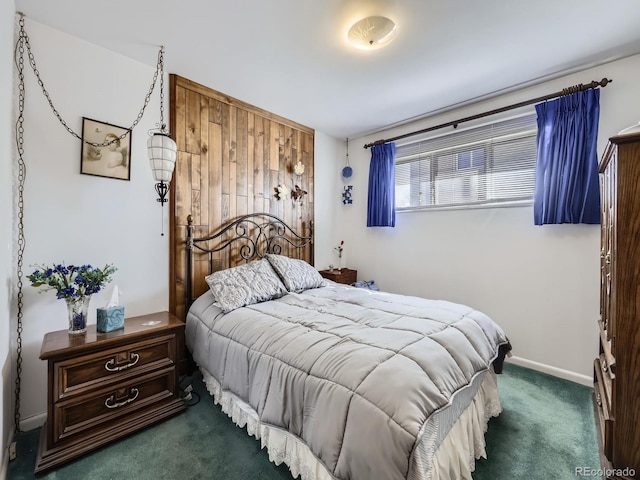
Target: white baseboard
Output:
[(4, 467), (555, 371), (34, 421)]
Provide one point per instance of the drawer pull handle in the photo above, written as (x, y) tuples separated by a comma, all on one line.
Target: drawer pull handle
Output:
[(111, 364), (133, 394), (598, 399)]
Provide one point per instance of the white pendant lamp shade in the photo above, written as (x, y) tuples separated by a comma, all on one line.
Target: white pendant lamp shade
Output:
[(162, 156)]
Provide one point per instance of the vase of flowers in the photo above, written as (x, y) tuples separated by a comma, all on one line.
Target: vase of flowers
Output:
[(75, 285), (340, 249), (78, 309)]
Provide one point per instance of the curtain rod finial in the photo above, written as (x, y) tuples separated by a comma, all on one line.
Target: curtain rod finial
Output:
[(375, 144)]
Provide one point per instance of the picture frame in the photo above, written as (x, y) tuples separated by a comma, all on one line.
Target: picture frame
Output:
[(110, 161)]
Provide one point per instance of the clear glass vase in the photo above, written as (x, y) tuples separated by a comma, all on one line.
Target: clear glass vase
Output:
[(78, 308)]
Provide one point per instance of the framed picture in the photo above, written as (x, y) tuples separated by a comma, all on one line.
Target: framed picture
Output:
[(113, 160)]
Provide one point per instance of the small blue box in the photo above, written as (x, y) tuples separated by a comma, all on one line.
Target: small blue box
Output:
[(110, 319)]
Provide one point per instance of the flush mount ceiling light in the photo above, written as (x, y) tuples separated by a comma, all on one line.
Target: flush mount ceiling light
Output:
[(371, 33)]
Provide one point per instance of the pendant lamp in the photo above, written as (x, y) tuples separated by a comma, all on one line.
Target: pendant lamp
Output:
[(161, 148), (162, 158)]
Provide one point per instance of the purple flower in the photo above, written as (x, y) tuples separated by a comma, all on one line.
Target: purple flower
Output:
[(62, 269), (72, 281)]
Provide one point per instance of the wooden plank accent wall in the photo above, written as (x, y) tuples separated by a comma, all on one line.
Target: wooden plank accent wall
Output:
[(231, 158)]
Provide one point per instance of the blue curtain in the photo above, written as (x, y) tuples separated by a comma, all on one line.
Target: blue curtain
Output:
[(567, 188), (381, 206)]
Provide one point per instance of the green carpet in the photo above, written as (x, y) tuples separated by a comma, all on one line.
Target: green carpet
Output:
[(546, 431)]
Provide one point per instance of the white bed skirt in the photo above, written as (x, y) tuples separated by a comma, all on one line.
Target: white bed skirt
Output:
[(450, 458), (456, 456)]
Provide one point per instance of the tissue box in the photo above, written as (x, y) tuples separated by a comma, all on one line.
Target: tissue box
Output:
[(110, 319)]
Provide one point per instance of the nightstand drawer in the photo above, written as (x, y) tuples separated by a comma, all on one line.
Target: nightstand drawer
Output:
[(113, 365), (106, 407)]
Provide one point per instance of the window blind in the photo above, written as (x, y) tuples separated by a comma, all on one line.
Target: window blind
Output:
[(490, 164)]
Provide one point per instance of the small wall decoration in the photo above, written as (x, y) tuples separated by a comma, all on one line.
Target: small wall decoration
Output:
[(282, 192), (347, 195), (106, 150), (298, 169), (297, 193)]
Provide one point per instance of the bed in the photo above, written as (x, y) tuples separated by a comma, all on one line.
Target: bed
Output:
[(339, 382)]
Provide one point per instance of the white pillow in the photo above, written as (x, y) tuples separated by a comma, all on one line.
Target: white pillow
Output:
[(246, 284), (297, 275)]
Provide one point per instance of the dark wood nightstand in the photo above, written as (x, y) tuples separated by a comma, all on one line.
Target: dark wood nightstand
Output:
[(103, 386), (346, 275)]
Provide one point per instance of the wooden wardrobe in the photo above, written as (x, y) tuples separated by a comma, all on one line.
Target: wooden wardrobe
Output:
[(617, 368)]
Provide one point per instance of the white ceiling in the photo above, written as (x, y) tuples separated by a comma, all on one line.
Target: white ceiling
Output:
[(290, 57)]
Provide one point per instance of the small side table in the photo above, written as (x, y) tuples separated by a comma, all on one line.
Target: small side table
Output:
[(346, 275), (104, 386)]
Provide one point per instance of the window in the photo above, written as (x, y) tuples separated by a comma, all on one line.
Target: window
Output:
[(488, 165)]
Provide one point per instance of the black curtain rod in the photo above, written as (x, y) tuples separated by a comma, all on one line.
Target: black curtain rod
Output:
[(565, 91)]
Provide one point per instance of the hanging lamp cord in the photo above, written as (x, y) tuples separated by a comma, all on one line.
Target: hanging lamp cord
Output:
[(22, 172), (22, 46), (160, 68), (23, 39)]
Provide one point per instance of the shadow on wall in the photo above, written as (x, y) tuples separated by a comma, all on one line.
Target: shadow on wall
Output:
[(6, 392)]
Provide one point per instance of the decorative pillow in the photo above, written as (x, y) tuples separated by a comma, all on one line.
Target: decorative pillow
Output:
[(246, 284), (297, 275)]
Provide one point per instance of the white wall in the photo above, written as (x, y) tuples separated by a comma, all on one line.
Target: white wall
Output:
[(76, 218), (6, 264), (327, 154), (541, 284)]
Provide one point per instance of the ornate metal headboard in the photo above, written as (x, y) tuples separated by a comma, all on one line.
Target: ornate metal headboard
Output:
[(246, 238)]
